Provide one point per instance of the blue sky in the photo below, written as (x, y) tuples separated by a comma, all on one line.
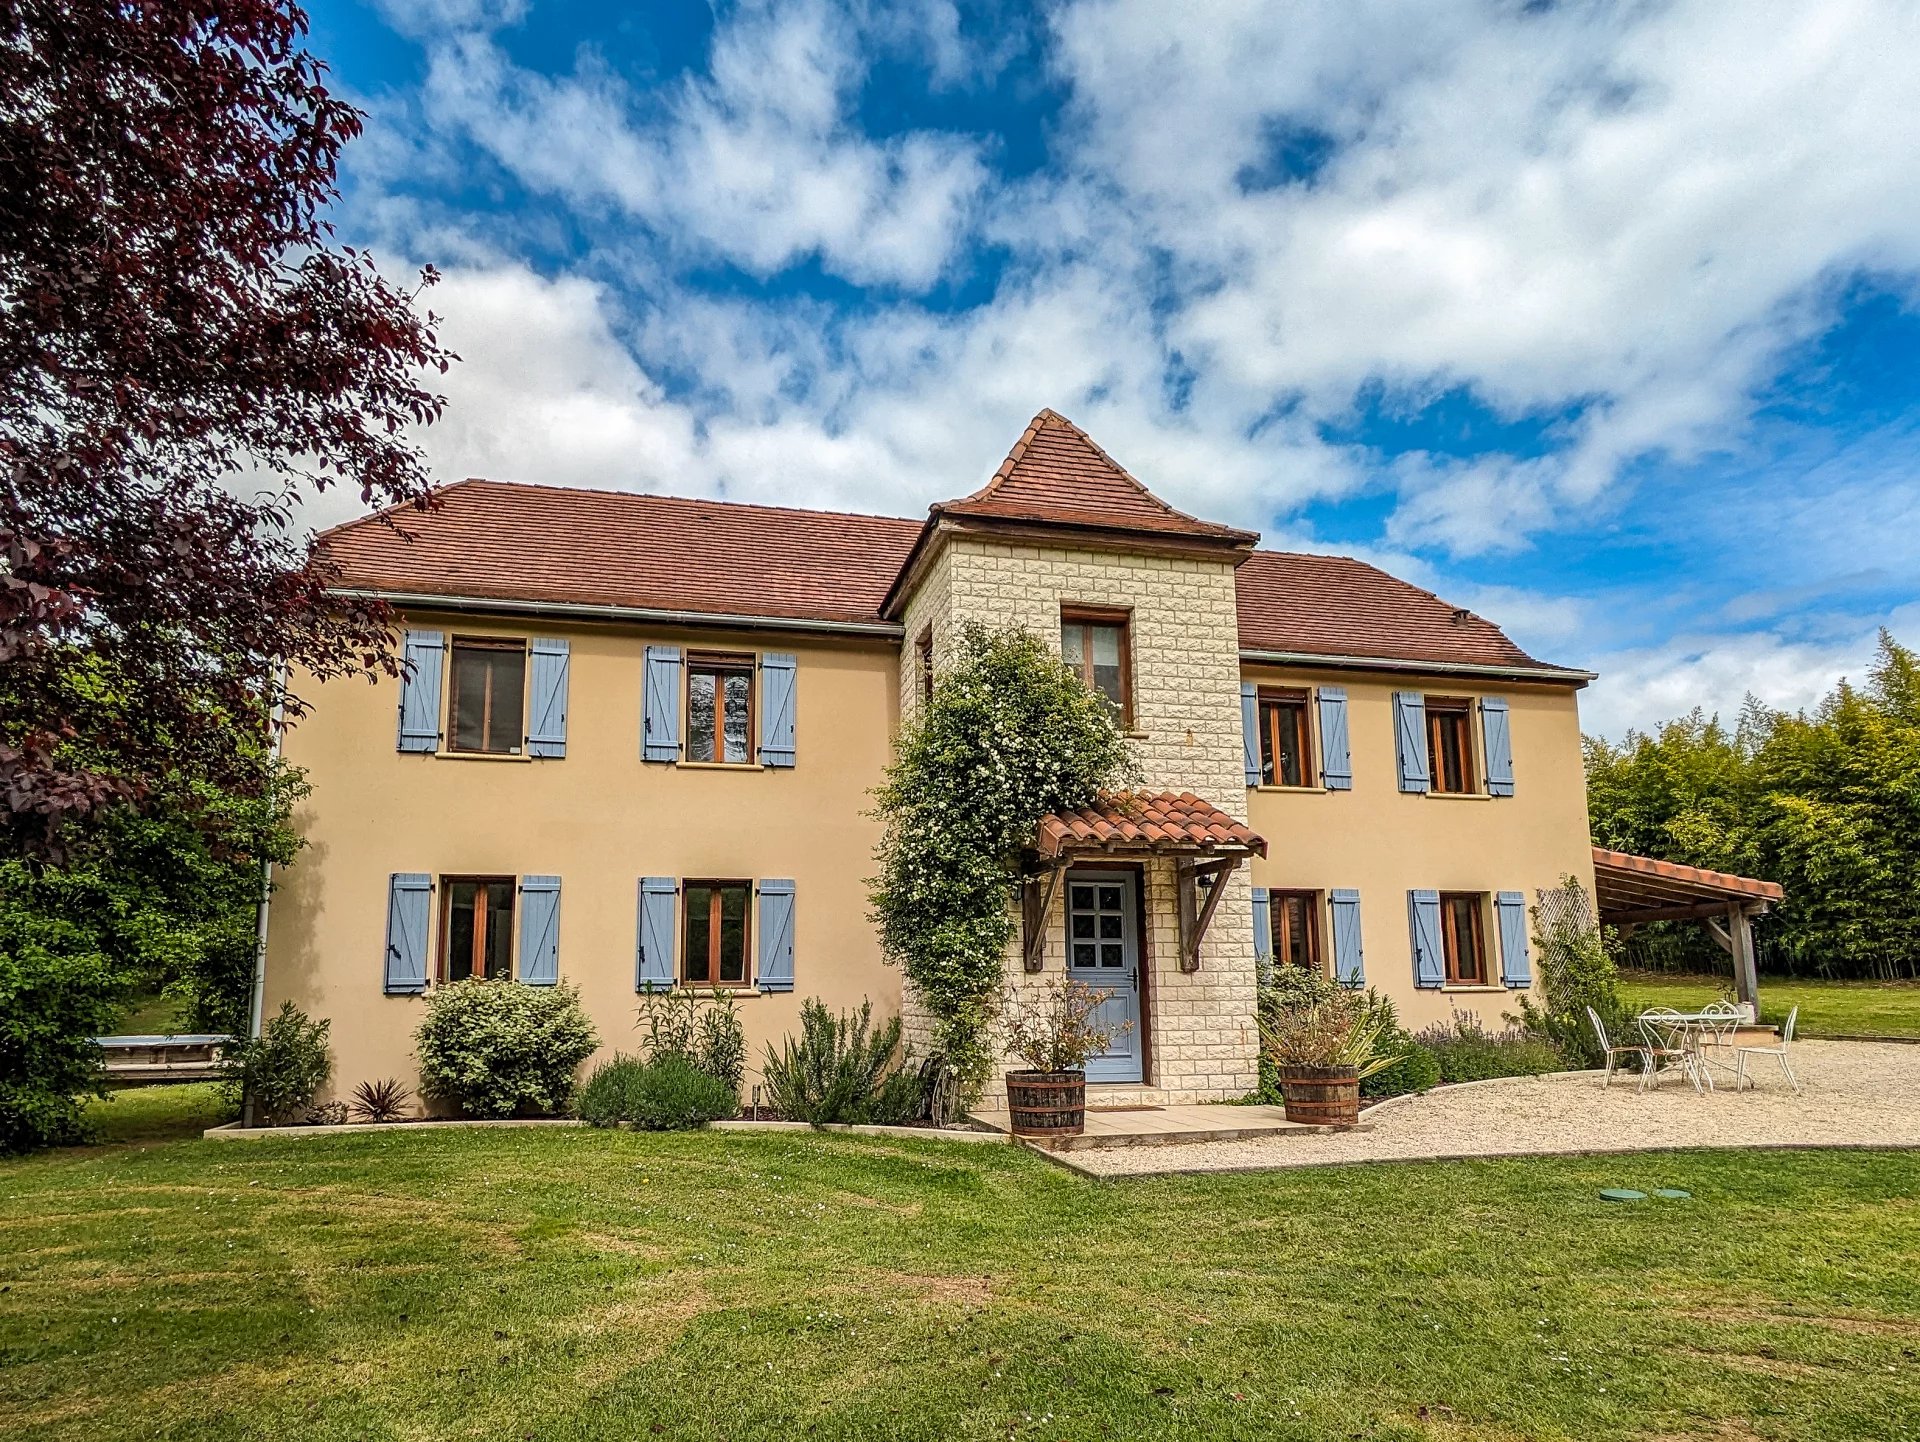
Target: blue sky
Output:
[(1600, 319)]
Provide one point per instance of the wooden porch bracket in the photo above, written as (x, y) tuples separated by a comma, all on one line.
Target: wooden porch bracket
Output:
[(1195, 918), (1035, 903)]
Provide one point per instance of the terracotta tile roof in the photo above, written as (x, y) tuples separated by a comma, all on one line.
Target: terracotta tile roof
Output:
[(1141, 821), (505, 541), (1640, 879), (1336, 606), (1055, 474)]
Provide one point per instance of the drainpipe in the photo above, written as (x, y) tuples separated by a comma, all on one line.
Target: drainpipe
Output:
[(256, 1018)]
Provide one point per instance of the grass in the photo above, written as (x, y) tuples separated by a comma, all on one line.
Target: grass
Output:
[(560, 1284), (1827, 1008), (152, 1014)]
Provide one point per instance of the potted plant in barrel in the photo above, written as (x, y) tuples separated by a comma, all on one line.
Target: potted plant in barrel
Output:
[(1052, 1030), (1322, 1045)]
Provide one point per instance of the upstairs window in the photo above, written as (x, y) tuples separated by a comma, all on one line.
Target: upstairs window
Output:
[(487, 713), (1450, 745), (1095, 644), (478, 931), (1294, 917), (1463, 938), (720, 708), (713, 951), (1286, 740)]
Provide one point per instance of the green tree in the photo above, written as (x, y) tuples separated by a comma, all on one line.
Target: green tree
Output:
[(1825, 802), (1009, 735)]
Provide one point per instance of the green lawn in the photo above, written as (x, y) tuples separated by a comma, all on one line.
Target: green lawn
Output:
[(1827, 1008), (558, 1284)]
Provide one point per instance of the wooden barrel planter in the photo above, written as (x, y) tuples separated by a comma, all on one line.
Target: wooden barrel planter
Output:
[(1047, 1103), (1321, 1096)]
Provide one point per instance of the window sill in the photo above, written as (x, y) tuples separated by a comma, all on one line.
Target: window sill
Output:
[(1460, 795), (705, 992), (483, 756), (1295, 790), (1132, 735), (721, 766), (1473, 987)]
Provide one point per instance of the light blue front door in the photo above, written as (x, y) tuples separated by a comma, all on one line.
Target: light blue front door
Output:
[(1103, 951)]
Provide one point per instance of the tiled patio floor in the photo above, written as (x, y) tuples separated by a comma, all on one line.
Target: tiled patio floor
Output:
[(1168, 1125)]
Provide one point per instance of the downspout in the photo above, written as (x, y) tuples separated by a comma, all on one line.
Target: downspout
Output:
[(256, 1018)]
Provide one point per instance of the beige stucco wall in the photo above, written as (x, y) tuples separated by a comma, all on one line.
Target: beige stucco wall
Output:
[(1386, 843), (1183, 632), (599, 819)]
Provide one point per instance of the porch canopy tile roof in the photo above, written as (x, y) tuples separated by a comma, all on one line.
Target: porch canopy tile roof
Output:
[(1161, 822), (1643, 888)]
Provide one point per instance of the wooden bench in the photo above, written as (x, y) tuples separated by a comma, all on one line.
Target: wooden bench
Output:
[(140, 1060)]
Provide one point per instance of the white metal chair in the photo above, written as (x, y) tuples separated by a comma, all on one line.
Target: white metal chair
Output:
[(1714, 1035), (1615, 1052), (1778, 1053), (1667, 1044)]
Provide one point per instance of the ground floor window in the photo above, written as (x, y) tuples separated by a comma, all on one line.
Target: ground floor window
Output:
[(713, 951), (477, 937), (1295, 919), (1464, 938)]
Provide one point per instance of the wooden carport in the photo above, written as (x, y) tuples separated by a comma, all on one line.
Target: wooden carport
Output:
[(1631, 889)]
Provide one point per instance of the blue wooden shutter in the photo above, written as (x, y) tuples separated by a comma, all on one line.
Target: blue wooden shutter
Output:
[(1410, 739), (777, 679), (420, 692), (409, 905), (1429, 960), (1250, 730), (547, 688), (1262, 933), (1512, 909), (776, 935), (660, 706), (653, 969), (1349, 966), (1336, 756), (540, 930), (1497, 735)]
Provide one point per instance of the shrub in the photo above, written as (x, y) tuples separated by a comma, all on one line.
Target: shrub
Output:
[(1575, 973), (1051, 1028), (381, 1101), (839, 1069), (706, 1031), (1009, 735), (56, 995), (1336, 1031), (1467, 1051), (1411, 1067), (494, 1048), (666, 1093), (281, 1070)]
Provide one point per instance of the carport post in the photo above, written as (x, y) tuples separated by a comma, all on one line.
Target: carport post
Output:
[(1746, 976)]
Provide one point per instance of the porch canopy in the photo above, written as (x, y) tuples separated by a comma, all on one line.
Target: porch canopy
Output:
[(1632, 889), (1204, 843)]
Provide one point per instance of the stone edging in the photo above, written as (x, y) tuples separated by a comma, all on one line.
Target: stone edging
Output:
[(233, 1131)]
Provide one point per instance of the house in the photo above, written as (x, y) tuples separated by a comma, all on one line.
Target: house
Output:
[(639, 734)]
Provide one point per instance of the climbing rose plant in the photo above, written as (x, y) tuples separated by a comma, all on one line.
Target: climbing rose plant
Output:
[(1009, 735)]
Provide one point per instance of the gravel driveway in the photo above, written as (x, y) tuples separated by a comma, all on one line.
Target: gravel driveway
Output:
[(1852, 1093)]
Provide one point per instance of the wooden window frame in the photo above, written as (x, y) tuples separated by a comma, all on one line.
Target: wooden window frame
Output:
[(442, 960), (1476, 903), (923, 657), (1309, 903), (1122, 619), (455, 646), (715, 886), (721, 663), (1451, 710), (1269, 702)]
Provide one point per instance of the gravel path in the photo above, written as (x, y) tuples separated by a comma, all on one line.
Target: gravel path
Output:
[(1852, 1093)]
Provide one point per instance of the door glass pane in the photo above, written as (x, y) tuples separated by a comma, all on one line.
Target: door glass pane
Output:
[(499, 945), (1083, 898), (733, 934), (1083, 926), (699, 940), (1112, 954), (460, 924), (739, 692), (1109, 898), (1083, 953), (1110, 927)]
